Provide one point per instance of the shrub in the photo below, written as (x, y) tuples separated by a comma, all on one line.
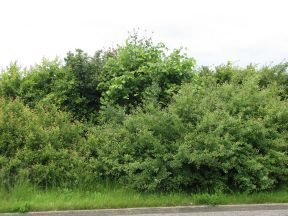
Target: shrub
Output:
[(141, 115), (40, 146), (214, 137), (232, 143), (10, 81), (138, 65), (138, 151)]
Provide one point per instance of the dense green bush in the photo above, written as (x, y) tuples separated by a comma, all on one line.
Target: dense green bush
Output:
[(130, 75), (144, 117), (38, 83), (212, 138), (71, 87), (39, 145), (82, 84), (78, 91), (10, 81), (139, 150), (267, 75), (237, 136)]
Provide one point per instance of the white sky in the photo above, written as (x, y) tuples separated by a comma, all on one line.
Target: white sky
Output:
[(214, 31)]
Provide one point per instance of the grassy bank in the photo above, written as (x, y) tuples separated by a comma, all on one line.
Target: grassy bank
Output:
[(27, 198)]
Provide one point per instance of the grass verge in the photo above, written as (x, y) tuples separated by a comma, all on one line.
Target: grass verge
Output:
[(28, 198)]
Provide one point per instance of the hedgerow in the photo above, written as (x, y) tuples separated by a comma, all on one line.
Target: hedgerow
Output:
[(145, 118), (213, 137)]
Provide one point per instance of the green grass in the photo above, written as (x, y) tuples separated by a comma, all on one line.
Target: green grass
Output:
[(28, 198)]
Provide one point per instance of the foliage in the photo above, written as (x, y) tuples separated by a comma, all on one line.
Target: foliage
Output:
[(10, 81), (39, 145), (38, 83), (137, 151), (267, 75), (139, 64), (77, 91), (144, 117), (237, 138), (212, 138)]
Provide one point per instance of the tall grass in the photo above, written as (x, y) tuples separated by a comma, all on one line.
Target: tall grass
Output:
[(24, 198)]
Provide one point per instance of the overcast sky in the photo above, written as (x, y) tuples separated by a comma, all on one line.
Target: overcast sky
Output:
[(242, 31)]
